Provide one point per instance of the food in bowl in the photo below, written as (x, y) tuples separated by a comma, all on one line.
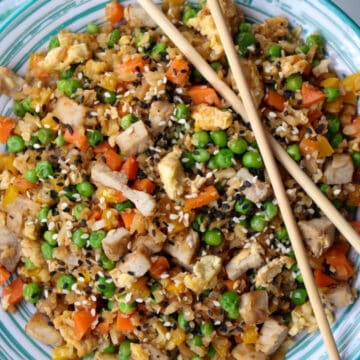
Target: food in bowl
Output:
[(135, 205)]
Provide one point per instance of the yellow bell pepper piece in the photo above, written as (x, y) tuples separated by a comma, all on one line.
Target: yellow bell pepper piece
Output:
[(109, 82), (250, 334), (177, 337), (50, 123), (111, 218), (350, 98), (325, 149), (10, 195), (41, 99), (334, 107), (65, 352), (330, 82), (175, 289), (352, 82), (7, 163)]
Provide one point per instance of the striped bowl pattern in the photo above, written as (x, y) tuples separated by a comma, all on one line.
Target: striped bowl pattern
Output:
[(28, 30)]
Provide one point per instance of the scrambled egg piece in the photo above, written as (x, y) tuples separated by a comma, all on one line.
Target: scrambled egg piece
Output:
[(210, 118)]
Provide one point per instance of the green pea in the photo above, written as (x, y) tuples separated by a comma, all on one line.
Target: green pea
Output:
[(187, 160), (230, 302), (79, 237), (211, 352), (270, 209), (336, 140), (26, 103), (30, 175), (44, 169), (125, 350), (53, 43), (331, 93), (274, 51), (299, 296), (224, 158), (238, 146), (245, 28), (297, 272), (15, 143), (60, 140), (197, 224), (196, 75), (258, 223), (333, 124), (159, 48), (125, 307), (109, 97), (66, 74), (122, 206), (181, 111), (324, 188), (282, 234), (244, 41), (182, 322), (356, 158), (106, 263), (302, 49), (50, 237), (18, 108), (294, 82), (244, 206), (65, 282), (188, 13), (219, 138), (107, 289), (85, 189), (287, 318), (32, 292), (206, 329), (315, 39), (216, 66), (197, 340), (196, 358), (46, 136), (114, 38), (77, 210), (252, 160), (212, 164), (109, 349), (68, 86), (127, 120), (213, 237), (96, 238), (43, 214), (92, 28), (29, 264), (95, 137), (294, 152), (47, 250), (201, 155), (200, 139)]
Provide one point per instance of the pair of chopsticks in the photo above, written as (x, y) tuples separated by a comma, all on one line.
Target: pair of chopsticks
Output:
[(267, 145)]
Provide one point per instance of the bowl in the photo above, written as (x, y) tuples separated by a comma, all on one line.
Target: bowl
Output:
[(28, 30)]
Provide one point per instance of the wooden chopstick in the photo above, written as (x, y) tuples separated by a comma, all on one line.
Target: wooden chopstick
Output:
[(275, 178), (224, 90)]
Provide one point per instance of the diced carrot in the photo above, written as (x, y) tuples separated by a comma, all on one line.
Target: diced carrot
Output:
[(82, 323), (133, 65), (34, 64), (204, 198), (76, 138), (323, 280), (12, 294), (202, 94), (308, 146), (130, 167), (178, 72), (229, 284), (102, 147), (275, 100), (336, 257), (314, 115), (22, 184), (6, 126), (325, 149), (123, 322), (158, 267), (114, 12), (4, 275), (112, 159), (144, 185), (119, 196), (311, 95), (96, 214), (127, 218), (103, 328)]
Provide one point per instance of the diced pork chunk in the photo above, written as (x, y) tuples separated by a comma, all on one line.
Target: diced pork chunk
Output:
[(136, 263), (272, 334), (268, 272), (9, 249), (10, 83), (144, 202), (247, 352), (70, 112), (318, 234), (246, 259), (254, 307), (339, 170), (159, 115), (338, 296), (210, 118), (38, 327), (172, 174), (135, 139), (115, 243), (183, 247), (137, 17)]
